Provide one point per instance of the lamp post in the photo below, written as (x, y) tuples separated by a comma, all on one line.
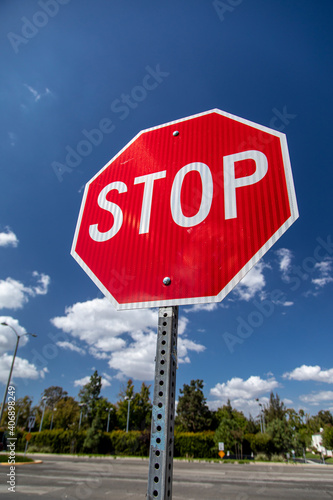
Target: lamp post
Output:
[(128, 410), (44, 398), (12, 366), (262, 417), (54, 409), (109, 411), (81, 406)]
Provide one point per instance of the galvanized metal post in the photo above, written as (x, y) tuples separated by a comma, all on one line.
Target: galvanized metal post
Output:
[(163, 414)]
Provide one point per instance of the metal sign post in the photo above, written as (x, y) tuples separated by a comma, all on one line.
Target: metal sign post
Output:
[(163, 414)]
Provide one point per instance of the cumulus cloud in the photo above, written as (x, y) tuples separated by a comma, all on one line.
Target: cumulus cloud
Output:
[(71, 347), (85, 380), (8, 337), (253, 282), (43, 282), (22, 369), (8, 238), (315, 373), (14, 294), (242, 393), (126, 338), (317, 397)]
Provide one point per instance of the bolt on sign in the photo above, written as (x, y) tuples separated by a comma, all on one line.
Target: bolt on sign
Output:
[(185, 210)]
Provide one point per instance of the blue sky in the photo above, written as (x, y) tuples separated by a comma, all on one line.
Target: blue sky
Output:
[(66, 68)]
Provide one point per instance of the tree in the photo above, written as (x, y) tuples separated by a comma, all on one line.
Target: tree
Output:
[(275, 409), (281, 434), (53, 394), (67, 413), (90, 394), (193, 414), (142, 408), (328, 437), (139, 405), (231, 429)]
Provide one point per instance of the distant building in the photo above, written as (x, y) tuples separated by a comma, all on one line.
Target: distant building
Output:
[(316, 443)]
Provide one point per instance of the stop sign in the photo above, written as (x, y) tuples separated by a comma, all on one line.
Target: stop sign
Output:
[(184, 211)]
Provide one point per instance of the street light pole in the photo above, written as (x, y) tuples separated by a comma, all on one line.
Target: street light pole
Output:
[(12, 366), (260, 415), (128, 411), (109, 411), (44, 398), (81, 405), (54, 409)]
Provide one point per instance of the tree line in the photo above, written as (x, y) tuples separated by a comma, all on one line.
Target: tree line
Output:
[(277, 429)]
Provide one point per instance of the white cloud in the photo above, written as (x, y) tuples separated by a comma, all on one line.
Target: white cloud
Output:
[(8, 238), (8, 337), (126, 338), (137, 359), (85, 380), (317, 397), (201, 307), (285, 257), (324, 270), (38, 95), (22, 369), (71, 347), (43, 282), (315, 373), (242, 393), (252, 283), (14, 294)]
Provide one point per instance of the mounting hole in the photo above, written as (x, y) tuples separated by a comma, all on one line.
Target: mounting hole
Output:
[(162, 362), (165, 315), (163, 342), (164, 332), (157, 466), (157, 453), (159, 416), (155, 493), (163, 352), (156, 479), (158, 440), (160, 394), (165, 323), (162, 372), (159, 428)]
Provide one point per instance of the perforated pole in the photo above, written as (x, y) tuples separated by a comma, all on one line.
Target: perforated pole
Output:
[(163, 414)]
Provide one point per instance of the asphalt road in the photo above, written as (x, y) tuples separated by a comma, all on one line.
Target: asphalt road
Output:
[(71, 478)]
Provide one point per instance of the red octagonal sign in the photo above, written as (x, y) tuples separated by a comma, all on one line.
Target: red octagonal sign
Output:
[(184, 211)]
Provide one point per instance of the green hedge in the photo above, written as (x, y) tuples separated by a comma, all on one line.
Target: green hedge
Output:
[(195, 445), (132, 443)]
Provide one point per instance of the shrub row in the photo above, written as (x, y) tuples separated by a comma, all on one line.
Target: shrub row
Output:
[(134, 443)]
